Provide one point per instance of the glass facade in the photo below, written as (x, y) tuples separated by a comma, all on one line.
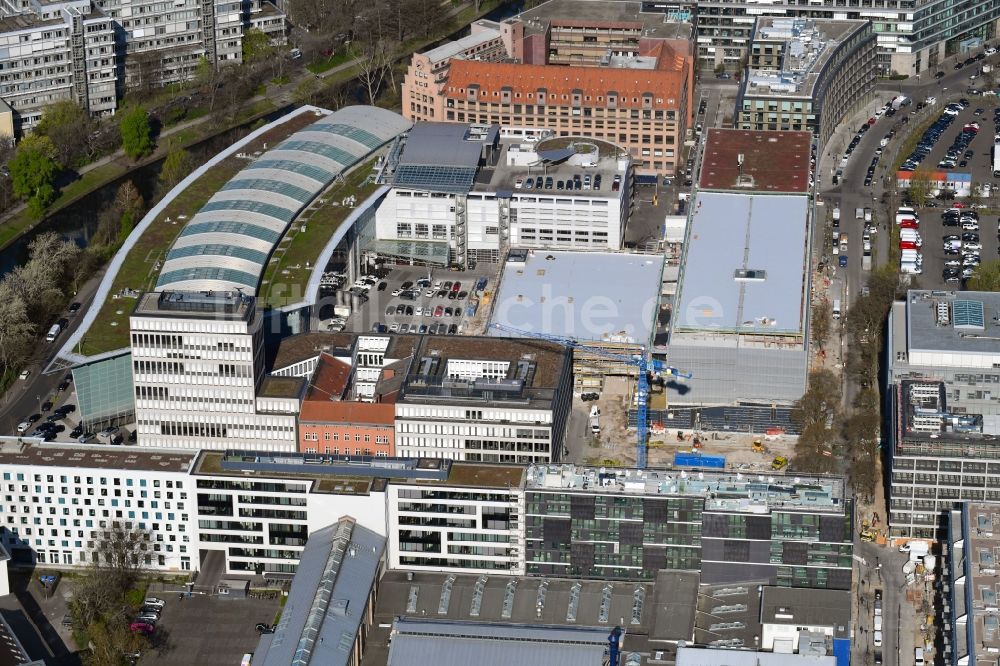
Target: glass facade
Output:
[(104, 391)]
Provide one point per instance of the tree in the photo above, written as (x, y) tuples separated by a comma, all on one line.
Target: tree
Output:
[(256, 46), (985, 277), (112, 643), (117, 219), (375, 63), (33, 171), (177, 165), (821, 315), (17, 330), (920, 186), (814, 413), (137, 134), (122, 553), (69, 127)]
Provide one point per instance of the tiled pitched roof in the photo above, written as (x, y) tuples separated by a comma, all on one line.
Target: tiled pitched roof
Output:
[(666, 82)]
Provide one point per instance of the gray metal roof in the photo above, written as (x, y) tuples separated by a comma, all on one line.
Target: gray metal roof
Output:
[(971, 325), (446, 643), (601, 296), (812, 608), (745, 264), (442, 157), (226, 245), (328, 599), (698, 656)]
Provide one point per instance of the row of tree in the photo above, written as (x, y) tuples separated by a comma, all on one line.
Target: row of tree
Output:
[(32, 294)]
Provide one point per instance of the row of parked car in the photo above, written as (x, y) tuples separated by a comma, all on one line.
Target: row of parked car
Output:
[(927, 141), (149, 614), (958, 153), (577, 182), (962, 252)]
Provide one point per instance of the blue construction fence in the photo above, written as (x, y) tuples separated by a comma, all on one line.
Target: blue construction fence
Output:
[(698, 460)]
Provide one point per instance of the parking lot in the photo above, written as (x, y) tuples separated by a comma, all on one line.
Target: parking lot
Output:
[(438, 305), (207, 629), (976, 159)]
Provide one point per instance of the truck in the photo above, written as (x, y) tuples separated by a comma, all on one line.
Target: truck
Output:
[(900, 101), (843, 242), (342, 310), (868, 214), (53, 333), (996, 159), (836, 217), (859, 213), (866, 261), (595, 420)]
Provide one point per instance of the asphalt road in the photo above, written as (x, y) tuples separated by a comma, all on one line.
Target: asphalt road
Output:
[(25, 397)]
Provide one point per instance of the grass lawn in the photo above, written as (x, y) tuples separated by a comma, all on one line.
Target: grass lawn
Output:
[(338, 58), (287, 273), (139, 271)]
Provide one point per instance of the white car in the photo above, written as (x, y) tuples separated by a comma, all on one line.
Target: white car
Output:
[(22, 427), (930, 100), (990, 51), (153, 601), (397, 292), (429, 293), (24, 374), (878, 639), (418, 311), (972, 247)]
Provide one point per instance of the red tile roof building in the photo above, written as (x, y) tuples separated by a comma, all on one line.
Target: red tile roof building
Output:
[(601, 69), (333, 422)]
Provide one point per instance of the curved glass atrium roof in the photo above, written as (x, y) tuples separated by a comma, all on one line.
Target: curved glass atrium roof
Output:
[(226, 245)]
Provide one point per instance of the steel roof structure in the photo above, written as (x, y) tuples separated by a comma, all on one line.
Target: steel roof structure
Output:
[(226, 245)]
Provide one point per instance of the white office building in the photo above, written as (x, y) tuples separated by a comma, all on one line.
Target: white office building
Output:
[(465, 193), (60, 500), (469, 523), (198, 369), (501, 400)]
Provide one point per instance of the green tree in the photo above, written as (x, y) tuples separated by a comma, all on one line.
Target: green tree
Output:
[(33, 172), (69, 127), (137, 134), (821, 315), (920, 187), (177, 165), (814, 413), (256, 46), (986, 277)]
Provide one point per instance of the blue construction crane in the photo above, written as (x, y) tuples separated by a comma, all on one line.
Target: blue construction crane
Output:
[(640, 361)]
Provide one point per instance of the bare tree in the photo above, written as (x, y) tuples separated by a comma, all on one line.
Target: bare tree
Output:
[(375, 64), (17, 330), (123, 554)]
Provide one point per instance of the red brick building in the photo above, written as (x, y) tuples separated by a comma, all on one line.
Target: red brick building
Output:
[(332, 421)]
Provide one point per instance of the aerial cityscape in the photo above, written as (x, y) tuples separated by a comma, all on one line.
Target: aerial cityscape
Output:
[(492, 332)]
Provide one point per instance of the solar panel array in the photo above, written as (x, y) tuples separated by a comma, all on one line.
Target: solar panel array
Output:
[(227, 243), (967, 314)]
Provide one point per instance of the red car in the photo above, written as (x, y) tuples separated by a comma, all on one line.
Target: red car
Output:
[(438, 311), (871, 121), (908, 245), (142, 628), (457, 286), (909, 223)]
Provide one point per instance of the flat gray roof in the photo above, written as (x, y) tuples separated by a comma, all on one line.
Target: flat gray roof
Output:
[(33, 451), (599, 12), (446, 643), (328, 599), (699, 656), (442, 157), (487, 31), (745, 264), (971, 325), (597, 296), (814, 608)]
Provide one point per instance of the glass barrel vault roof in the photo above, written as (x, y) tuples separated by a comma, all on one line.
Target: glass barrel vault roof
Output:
[(220, 247)]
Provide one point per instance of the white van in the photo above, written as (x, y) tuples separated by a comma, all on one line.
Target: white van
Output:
[(918, 656), (836, 308), (878, 639), (878, 623)]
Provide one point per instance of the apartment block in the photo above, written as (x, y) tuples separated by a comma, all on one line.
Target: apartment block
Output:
[(198, 369), (465, 193), (942, 370), (912, 37), (53, 52), (629, 524), (61, 501), (603, 69), (806, 75), (90, 51), (970, 584)]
